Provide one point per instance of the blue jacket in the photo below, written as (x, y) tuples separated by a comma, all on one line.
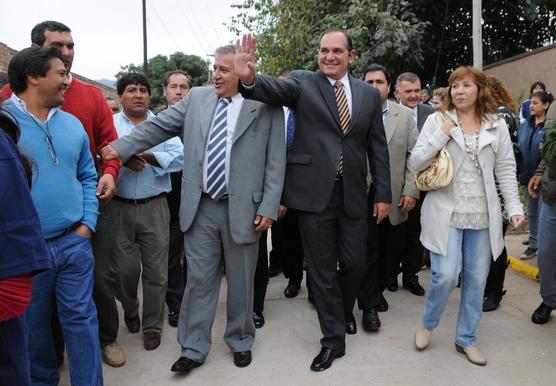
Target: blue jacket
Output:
[(529, 141)]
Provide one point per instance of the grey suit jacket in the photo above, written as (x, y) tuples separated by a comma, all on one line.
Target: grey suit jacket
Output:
[(401, 135), (257, 159), (423, 111)]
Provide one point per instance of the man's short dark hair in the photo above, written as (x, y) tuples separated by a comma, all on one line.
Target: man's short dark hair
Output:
[(536, 84), (31, 61), (377, 67), (348, 38), (132, 78), (407, 77), (37, 33), (168, 74)]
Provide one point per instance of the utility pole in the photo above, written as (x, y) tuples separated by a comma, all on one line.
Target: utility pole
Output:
[(145, 61), (477, 35)]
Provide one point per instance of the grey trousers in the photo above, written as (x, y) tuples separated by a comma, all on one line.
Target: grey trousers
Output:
[(206, 242), (141, 236)]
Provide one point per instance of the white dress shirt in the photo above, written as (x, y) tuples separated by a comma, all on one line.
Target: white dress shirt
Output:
[(234, 107)]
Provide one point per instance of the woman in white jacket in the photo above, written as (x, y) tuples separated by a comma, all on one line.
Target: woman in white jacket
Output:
[(462, 222)]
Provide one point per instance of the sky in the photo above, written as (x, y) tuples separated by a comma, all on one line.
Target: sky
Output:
[(108, 33)]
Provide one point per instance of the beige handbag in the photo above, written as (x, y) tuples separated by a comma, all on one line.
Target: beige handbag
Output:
[(439, 173)]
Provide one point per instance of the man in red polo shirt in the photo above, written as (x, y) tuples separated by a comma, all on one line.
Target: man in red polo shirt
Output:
[(88, 104)]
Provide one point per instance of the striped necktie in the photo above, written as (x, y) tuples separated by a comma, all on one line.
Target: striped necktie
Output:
[(345, 118), (216, 156)]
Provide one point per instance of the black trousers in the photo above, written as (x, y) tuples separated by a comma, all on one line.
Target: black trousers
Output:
[(412, 256), (385, 247), (497, 273), (335, 250), (287, 250), (176, 277), (261, 274)]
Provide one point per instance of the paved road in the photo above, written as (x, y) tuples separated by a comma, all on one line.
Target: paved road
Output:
[(519, 352)]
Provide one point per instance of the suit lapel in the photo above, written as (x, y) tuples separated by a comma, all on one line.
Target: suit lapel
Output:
[(328, 94), (246, 117), (207, 114), (390, 122), (356, 101)]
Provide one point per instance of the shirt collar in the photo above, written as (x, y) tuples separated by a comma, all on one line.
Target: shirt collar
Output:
[(344, 80), (22, 106), (149, 115), (236, 99)]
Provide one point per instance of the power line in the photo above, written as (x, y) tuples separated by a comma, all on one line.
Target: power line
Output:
[(195, 17), (164, 25), (212, 22), (202, 45)]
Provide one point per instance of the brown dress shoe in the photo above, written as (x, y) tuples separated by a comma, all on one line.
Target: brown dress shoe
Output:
[(151, 340)]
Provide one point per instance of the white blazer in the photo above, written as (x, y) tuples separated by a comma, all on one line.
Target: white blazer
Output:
[(496, 158)]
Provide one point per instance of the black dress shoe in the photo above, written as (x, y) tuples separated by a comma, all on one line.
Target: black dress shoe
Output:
[(242, 358), (371, 322), (541, 314), (325, 358), (383, 305), (173, 318), (133, 324), (258, 319), (274, 271), (492, 301), (413, 286), (292, 290), (392, 284), (184, 365), (351, 326)]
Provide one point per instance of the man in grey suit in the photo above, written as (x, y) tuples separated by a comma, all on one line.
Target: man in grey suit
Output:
[(234, 161), (386, 240), (408, 93), (338, 124)]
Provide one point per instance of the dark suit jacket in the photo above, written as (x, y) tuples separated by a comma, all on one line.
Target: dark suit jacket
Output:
[(423, 111), (313, 159)]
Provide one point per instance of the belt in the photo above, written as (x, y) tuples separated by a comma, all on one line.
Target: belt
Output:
[(139, 201)]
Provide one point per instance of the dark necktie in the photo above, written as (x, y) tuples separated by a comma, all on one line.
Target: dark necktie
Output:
[(345, 118), (216, 156), (290, 128)]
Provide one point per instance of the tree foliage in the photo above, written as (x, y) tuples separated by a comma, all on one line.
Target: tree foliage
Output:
[(195, 66), (427, 37)]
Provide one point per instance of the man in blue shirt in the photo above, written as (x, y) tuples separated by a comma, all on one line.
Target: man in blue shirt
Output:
[(140, 215), (64, 193)]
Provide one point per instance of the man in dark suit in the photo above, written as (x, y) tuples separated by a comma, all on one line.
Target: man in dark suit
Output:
[(408, 93), (338, 125)]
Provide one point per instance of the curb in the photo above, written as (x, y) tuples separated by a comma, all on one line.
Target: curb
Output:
[(529, 270)]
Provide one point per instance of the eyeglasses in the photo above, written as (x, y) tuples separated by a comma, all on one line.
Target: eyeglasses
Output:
[(51, 149), (49, 143)]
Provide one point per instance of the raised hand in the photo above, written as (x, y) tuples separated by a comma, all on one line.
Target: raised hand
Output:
[(244, 59)]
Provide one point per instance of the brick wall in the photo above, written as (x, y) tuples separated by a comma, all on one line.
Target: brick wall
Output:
[(6, 54)]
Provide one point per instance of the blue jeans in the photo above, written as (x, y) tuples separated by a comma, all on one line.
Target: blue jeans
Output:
[(468, 253), (71, 281), (533, 210), (547, 254)]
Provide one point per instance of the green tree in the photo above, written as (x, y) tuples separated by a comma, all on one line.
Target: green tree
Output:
[(427, 37), (196, 67), (384, 31), (510, 27)]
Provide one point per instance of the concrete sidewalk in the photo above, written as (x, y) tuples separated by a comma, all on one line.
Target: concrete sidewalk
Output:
[(519, 352)]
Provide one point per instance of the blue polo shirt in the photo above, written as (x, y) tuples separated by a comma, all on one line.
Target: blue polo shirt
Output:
[(22, 246)]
